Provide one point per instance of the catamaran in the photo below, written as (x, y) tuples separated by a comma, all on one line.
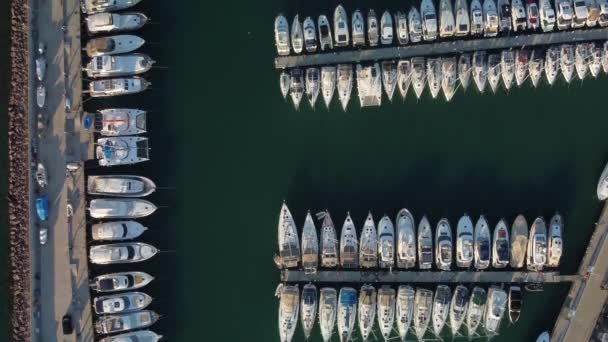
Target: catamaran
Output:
[(328, 308), (113, 122), (535, 67), (367, 310), (347, 312), (483, 244), (450, 77), (120, 186), (349, 256), (490, 14), (567, 62), (288, 310), (521, 66), (463, 22), (425, 244), (121, 253), (122, 150), (386, 310), (329, 242), (480, 70), (401, 28), (310, 246), (114, 22), (434, 76), (464, 70), (386, 243), (389, 78), (121, 303), (113, 45), (406, 240), (341, 26), (404, 310), (418, 75), (501, 250), (289, 244), (476, 16), (507, 65), (312, 85), (373, 34), (345, 83), (308, 305), (441, 308), (423, 306), (328, 83), (494, 71), (325, 39), (369, 85), (465, 249), (310, 35), (124, 281), (296, 86), (519, 241), (458, 308), (477, 306), (120, 208), (443, 243), (415, 22), (358, 29), (555, 250), (537, 246), (429, 20), (297, 35), (117, 230), (496, 305), (446, 19), (404, 76), (368, 248), (386, 28)]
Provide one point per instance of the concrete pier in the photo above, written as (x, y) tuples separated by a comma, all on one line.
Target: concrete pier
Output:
[(440, 48)]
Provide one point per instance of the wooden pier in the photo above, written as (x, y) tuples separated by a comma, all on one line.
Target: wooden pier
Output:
[(440, 48)]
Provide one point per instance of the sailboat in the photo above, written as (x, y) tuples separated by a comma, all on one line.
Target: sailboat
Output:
[(288, 311), (349, 256), (369, 85), (284, 83), (423, 306), (581, 60), (406, 240), (465, 250), (404, 310), (367, 310), (308, 307), (425, 244), (483, 244), (345, 83), (404, 76), (507, 65), (552, 64), (297, 35), (496, 306), (494, 71), (386, 243), (446, 19), (386, 310), (389, 78), (535, 67), (450, 77), (289, 244), (595, 65), (329, 242), (555, 250), (519, 241), (310, 246), (521, 66), (464, 70), (441, 308), (477, 306), (458, 308), (434, 76), (328, 83), (347, 312), (296, 86), (368, 248), (418, 75), (480, 70), (463, 22), (312, 85), (328, 308)]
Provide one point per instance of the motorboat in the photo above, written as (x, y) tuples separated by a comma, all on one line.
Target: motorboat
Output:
[(404, 310), (425, 244), (475, 312), (117, 230), (415, 28), (423, 306), (581, 59), (114, 22), (369, 85), (483, 244), (504, 16), (547, 16), (40, 68), (593, 12), (341, 33), (536, 256), (139, 335), (367, 310), (121, 253), (595, 65), (544, 337), (312, 85), (289, 306), (368, 248), (308, 308), (507, 65), (446, 19), (386, 310), (603, 18), (441, 308), (496, 306), (480, 70), (328, 308), (443, 243), (386, 243), (463, 21), (404, 76), (325, 40), (429, 20), (310, 246), (605, 57), (465, 249), (494, 71), (389, 78), (284, 83), (121, 303), (535, 67), (434, 76), (401, 28), (113, 122), (110, 324), (328, 83), (344, 83), (579, 19), (120, 186), (98, 6), (476, 16), (347, 313), (515, 301), (386, 28), (564, 14), (329, 242), (602, 185), (289, 243), (555, 248), (310, 35), (519, 241), (373, 31), (120, 208), (113, 45), (358, 24), (296, 86), (449, 77), (532, 14), (40, 95), (124, 281), (297, 35), (567, 62), (490, 15), (520, 22), (521, 66), (458, 308), (121, 65), (41, 175), (418, 78), (349, 245), (117, 86), (406, 239), (501, 248), (122, 150)]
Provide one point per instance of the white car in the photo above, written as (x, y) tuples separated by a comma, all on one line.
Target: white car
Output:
[(44, 235)]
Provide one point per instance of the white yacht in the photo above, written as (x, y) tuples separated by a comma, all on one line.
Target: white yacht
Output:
[(386, 28), (603, 18), (328, 83), (415, 28), (329, 243), (121, 253), (404, 310), (602, 185), (325, 40), (593, 12), (425, 244), (296, 86), (110, 324), (537, 246), (579, 19), (535, 67), (310, 246), (373, 32), (434, 76), (284, 82), (368, 248), (595, 65), (465, 249), (567, 62), (113, 122), (519, 241), (507, 65), (389, 78), (458, 308), (501, 248), (446, 19), (490, 15), (547, 16), (281, 35), (443, 243), (367, 310), (124, 281), (349, 245), (358, 29), (117, 230), (520, 22), (113, 45), (289, 307), (310, 35), (476, 16), (406, 239), (120, 186), (555, 248), (441, 308), (423, 306), (308, 308), (504, 15), (564, 14), (117, 86), (581, 59), (532, 14), (463, 22), (289, 243), (401, 28), (480, 70), (386, 243), (41, 175), (344, 78), (121, 303), (404, 76), (418, 75), (347, 313), (139, 335), (98, 6), (496, 305), (369, 85), (41, 95), (328, 308), (297, 35), (521, 66), (312, 85), (515, 302), (483, 244), (122, 150), (429, 20), (464, 70), (477, 306), (114, 22), (494, 71), (341, 33), (120, 208), (450, 77), (386, 310)]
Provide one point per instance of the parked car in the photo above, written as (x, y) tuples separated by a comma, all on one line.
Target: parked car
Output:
[(66, 324), (42, 207)]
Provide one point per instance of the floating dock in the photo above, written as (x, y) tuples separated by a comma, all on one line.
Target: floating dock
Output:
[(440, 48)]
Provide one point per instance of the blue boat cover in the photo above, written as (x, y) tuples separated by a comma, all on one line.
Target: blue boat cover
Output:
[(348, 297), (87, 121), (42, 207)]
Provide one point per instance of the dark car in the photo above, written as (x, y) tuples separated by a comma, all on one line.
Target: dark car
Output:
[(66, 324)]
